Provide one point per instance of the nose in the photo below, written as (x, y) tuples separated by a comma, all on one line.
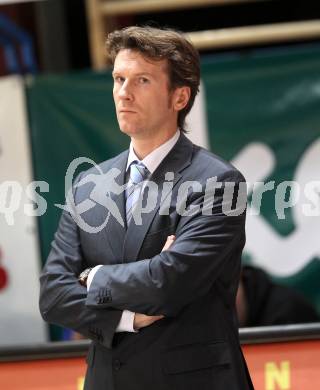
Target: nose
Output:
[(125, 91)]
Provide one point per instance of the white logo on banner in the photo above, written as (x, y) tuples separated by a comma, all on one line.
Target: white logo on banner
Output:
[(284, 256), (281, 256), (196, 120)]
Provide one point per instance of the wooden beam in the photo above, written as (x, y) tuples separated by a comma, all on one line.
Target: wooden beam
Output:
[(97, 33), (116, 7), (250, 35)]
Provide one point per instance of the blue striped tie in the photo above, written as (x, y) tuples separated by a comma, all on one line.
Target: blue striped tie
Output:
[(138, 173)]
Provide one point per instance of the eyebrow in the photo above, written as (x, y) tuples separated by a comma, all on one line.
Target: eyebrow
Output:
[(136, 74)]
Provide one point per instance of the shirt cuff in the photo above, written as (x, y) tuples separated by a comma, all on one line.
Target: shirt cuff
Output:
[(127, 319), (126, 322), (91, 275)]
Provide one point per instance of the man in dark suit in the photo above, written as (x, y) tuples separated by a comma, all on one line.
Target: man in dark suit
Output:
[(160, 319)]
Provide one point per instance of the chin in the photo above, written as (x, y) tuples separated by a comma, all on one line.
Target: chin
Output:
[(129, 129)]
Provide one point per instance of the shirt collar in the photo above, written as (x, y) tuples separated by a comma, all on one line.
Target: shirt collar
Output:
[(153, 159)]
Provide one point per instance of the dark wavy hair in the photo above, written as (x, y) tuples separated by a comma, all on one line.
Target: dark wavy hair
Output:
[(162, 44)]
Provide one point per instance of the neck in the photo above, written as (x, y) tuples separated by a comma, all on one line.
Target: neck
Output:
[(143, 147)]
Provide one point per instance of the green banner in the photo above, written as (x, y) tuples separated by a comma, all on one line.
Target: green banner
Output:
[(263, 114), (70, 116), (266, 107)]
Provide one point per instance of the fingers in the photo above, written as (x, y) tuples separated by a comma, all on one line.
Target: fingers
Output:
[(142, 320), (158, 317), (169, 242)]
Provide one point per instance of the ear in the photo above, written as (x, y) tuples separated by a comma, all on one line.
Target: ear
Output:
[(181, 97)]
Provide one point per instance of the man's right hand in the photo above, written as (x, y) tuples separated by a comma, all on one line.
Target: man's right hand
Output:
[(142, 320)]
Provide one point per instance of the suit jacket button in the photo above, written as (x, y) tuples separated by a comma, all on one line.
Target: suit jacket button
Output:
[(117, 364)]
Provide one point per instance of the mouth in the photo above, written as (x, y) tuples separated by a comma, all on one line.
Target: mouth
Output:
[(127, 112)]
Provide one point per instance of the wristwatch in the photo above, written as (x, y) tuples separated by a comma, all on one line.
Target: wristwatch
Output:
[(84, 276)]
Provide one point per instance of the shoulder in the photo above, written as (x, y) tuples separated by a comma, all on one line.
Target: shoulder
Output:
[(104, 166), (209, 164)]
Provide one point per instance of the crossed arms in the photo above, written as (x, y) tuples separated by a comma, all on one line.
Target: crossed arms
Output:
[(161, 285)]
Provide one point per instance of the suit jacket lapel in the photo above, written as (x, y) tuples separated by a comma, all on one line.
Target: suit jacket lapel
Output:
[(176, 160), (114, 231)]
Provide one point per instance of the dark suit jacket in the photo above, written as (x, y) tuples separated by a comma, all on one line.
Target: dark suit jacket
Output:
[(193, 284), (269, 303)]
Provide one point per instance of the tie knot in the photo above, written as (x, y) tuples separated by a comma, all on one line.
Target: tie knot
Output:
[(138, 172)]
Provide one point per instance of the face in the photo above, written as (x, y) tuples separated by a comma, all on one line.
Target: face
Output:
[(144, 105)]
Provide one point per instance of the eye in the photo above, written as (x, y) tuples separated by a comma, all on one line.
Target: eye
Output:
[(143, 80), (119, 79)]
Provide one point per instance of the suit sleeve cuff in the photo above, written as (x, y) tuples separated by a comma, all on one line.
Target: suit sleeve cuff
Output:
[(91, 276), (126, 322)]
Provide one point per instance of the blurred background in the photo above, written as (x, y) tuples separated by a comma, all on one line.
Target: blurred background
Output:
[(259, 107)]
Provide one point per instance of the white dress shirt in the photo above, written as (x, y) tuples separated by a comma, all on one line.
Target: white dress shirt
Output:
[(151, 162)]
